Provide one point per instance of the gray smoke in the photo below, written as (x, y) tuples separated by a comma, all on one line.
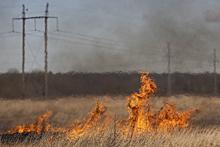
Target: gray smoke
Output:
[(192, 38), (128, 35)]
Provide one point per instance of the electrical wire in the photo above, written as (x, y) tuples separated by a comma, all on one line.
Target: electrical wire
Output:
[(193, 57), (6, 32), (84, 39), (106, 43), (100, 46), (122, 43), (98, 38), (193, 54), (9, 36)]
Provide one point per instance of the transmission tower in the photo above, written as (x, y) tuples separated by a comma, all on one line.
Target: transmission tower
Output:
[(23, 44)]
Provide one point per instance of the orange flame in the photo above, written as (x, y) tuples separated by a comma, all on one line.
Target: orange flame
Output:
[(39, 126), (80, 128), (143, 119)]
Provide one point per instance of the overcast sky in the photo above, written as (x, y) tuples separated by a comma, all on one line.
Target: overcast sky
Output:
[(112, 35)]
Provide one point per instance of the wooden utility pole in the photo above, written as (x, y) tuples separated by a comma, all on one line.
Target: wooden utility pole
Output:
[(57, 24), (35, 28), (168, 76), (46, 53), (215, 76), (23, 52), (45, 39)]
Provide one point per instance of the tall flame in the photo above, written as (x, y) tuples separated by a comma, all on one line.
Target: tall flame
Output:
[(143, 119)]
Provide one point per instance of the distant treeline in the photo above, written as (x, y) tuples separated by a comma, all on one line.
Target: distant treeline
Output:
[(63, 84)]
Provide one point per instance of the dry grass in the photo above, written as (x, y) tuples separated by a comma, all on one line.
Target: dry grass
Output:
[(65, 110)]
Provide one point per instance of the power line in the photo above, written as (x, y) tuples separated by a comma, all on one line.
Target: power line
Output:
[(99, 42), (100, 46), (85, 39), (36, 6), (35, 12), (80, 43), (13, 34), (9, 36), (193, 54), (194, 57), (102, 40), (76, 37), (93, 37), (6, 32)]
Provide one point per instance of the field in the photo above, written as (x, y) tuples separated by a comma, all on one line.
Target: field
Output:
[(204, 132)]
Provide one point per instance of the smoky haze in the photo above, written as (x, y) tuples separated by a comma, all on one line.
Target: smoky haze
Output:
[(106, 36)]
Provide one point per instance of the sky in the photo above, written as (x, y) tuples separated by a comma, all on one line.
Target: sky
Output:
[(110, 36)]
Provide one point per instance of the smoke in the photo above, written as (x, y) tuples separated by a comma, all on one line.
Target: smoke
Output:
[(129, 35), (142, 32), (145, 31)]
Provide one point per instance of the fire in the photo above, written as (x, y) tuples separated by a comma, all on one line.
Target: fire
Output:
[(40, 126), (78, 129), (142, 117), (94, 125)]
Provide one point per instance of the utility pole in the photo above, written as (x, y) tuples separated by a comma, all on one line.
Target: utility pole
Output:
[(168, 76), (23, 51), (57, 24), (46, 53), (215, 77), (45, 39), (35, 28)]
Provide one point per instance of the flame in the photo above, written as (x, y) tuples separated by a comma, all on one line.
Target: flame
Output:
[(142, 117), (39, 126), (93, 123)]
